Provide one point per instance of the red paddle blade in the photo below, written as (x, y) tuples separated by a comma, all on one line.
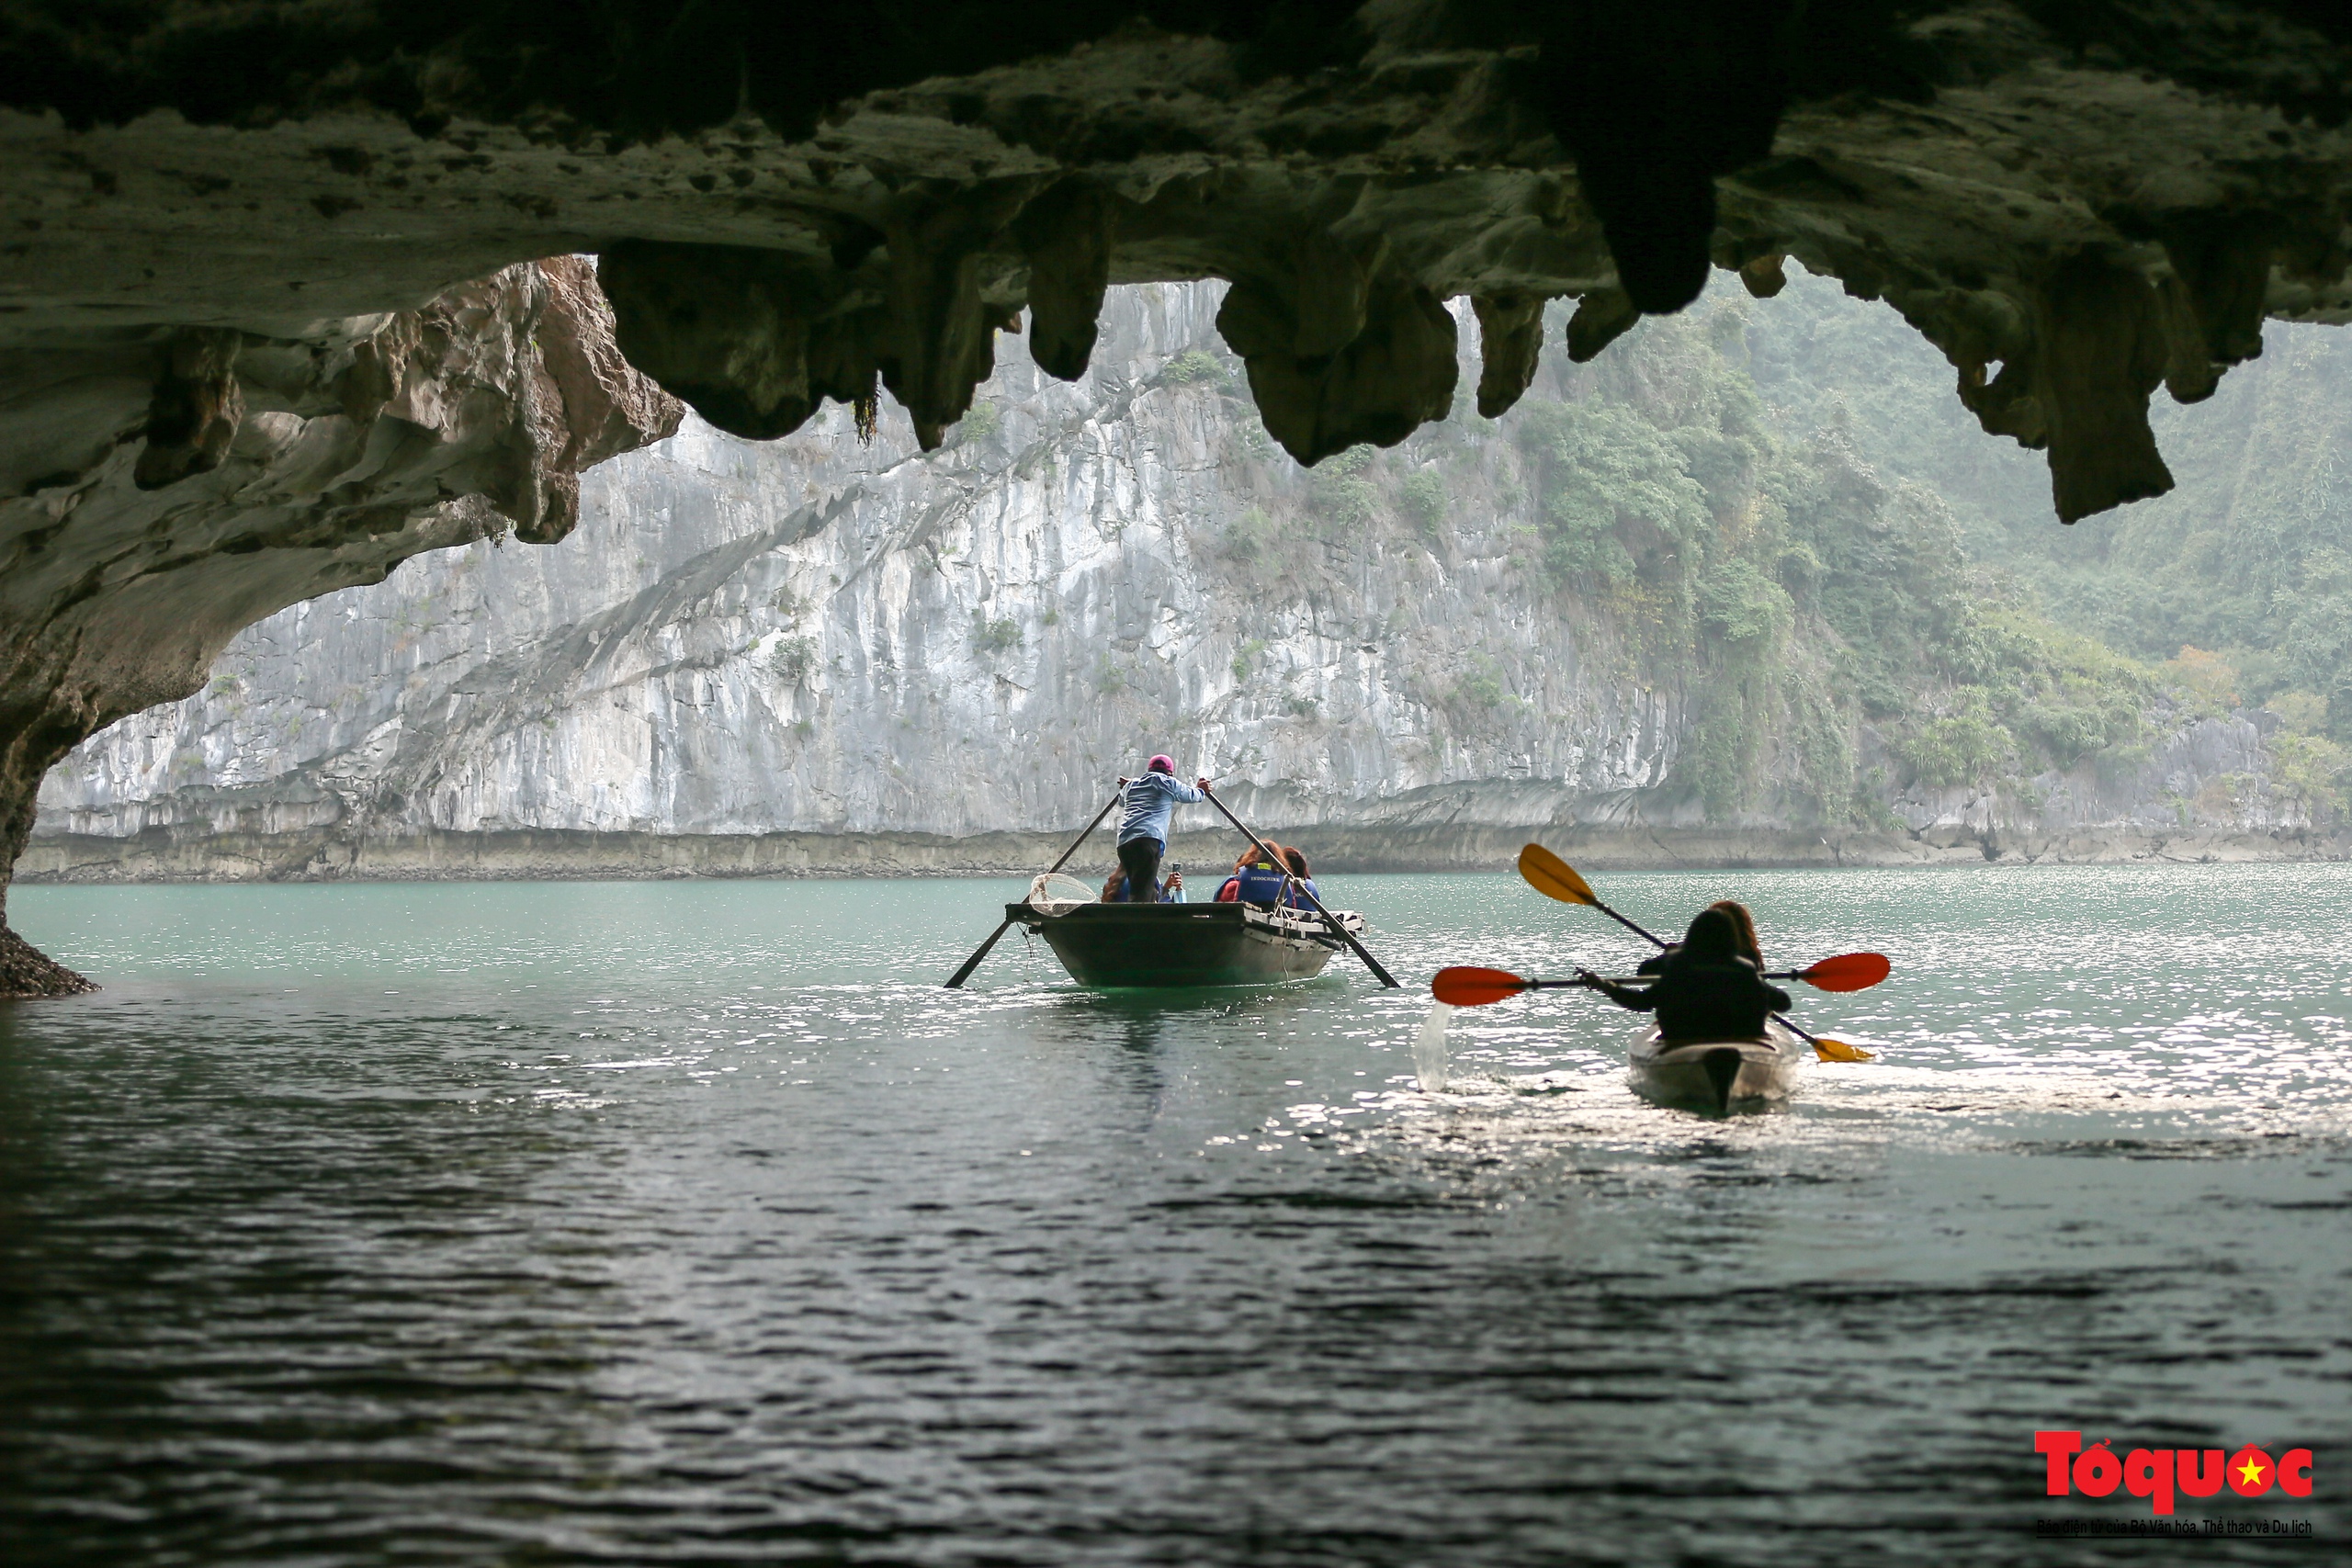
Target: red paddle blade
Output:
[(1847, 972), (1466, 986)]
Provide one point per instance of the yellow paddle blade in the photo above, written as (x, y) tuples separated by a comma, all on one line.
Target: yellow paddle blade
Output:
[(1554, 877), (1838, 1050)]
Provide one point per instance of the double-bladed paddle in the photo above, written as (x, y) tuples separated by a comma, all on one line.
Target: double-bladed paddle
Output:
[(1466, 985)]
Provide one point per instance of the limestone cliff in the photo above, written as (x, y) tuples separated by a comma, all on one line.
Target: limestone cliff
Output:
[(823, 637)]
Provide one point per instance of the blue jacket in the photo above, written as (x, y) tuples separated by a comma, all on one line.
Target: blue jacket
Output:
[(1259, 885), (1151, 800), (1297, 897)]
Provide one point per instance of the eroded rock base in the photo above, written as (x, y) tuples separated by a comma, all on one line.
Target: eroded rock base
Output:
[(27, 972), (163, 855)]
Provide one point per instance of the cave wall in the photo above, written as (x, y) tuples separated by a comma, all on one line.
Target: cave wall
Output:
[(206, 477)]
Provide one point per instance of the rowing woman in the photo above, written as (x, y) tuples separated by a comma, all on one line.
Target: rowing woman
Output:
[(1150, 801), (1706, 990)]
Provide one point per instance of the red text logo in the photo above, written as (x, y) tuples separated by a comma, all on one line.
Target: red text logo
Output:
[(2158, 1474)]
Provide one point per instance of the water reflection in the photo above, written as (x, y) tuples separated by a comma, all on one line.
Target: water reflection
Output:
[(670, 1223)]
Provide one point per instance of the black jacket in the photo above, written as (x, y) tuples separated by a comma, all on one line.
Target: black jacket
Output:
[(1694, 1000)]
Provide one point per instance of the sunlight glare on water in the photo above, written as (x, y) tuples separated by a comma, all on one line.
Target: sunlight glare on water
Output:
[(696, 1222)]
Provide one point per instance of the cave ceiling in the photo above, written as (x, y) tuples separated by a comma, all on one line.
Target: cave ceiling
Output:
[(2075, 202)]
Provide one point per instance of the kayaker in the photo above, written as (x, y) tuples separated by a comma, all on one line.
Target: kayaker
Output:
[(1707, 990), (1744, 940), (1744, 943), (1143, 826)]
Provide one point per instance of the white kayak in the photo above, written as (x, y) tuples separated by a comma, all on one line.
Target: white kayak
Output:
[(1716, 1075)]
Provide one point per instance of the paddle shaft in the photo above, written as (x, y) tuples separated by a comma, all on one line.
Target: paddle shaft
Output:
[(955, 982), (1655, 939), (1328, 918)]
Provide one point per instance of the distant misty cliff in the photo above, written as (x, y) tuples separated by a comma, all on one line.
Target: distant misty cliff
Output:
[(821, 637)]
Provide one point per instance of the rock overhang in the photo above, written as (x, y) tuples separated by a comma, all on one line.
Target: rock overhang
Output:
[(2077, 202)]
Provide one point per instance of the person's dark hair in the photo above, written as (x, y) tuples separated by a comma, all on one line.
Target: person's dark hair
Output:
[(1744, 940), (1296, 860), (1712, 938)]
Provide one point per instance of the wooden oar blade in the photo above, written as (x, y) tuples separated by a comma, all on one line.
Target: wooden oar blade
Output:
[(1830, 1050), (1466, 985), (1847, 972), (1554, 877)]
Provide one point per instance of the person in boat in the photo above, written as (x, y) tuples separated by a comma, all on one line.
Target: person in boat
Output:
[(1258, 878), (1150, 801), (1115, 888), (1301, 890), (1707, 990), (1743, 925), (1230, 890)]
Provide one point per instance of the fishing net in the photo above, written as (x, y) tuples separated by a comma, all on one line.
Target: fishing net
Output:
[(1054, 894)]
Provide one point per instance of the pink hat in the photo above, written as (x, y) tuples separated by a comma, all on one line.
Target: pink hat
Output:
[(1163, 764)]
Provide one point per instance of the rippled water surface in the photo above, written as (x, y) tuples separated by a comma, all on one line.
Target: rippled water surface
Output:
[(693, 1222)]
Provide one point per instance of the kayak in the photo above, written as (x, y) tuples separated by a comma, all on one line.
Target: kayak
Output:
[(1716, 1075), (1183, 945)]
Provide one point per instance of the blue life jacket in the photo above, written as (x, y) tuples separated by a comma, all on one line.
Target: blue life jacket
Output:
[(1297, 896), (1261, 885)]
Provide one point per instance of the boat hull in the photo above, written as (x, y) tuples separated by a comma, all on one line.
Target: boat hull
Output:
[(1715, 1076), (1183, 945)]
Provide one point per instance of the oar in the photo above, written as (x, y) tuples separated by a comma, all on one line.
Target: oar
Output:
[(1556, 878), (956, 981), (1468, 987), (1338, 930)]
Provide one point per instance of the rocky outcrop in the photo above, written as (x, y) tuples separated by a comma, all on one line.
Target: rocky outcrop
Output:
[(216, 476)]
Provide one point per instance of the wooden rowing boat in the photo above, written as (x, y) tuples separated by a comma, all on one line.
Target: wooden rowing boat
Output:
[(1716, 1075), (1183, 945)]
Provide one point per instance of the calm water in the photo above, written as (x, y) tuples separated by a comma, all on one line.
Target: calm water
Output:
[(693, 1222)]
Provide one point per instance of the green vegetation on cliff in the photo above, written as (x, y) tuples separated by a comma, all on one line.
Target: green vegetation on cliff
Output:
[(1729, 526)]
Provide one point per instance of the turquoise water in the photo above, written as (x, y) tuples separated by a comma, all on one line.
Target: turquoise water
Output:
[(692, 1222)]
